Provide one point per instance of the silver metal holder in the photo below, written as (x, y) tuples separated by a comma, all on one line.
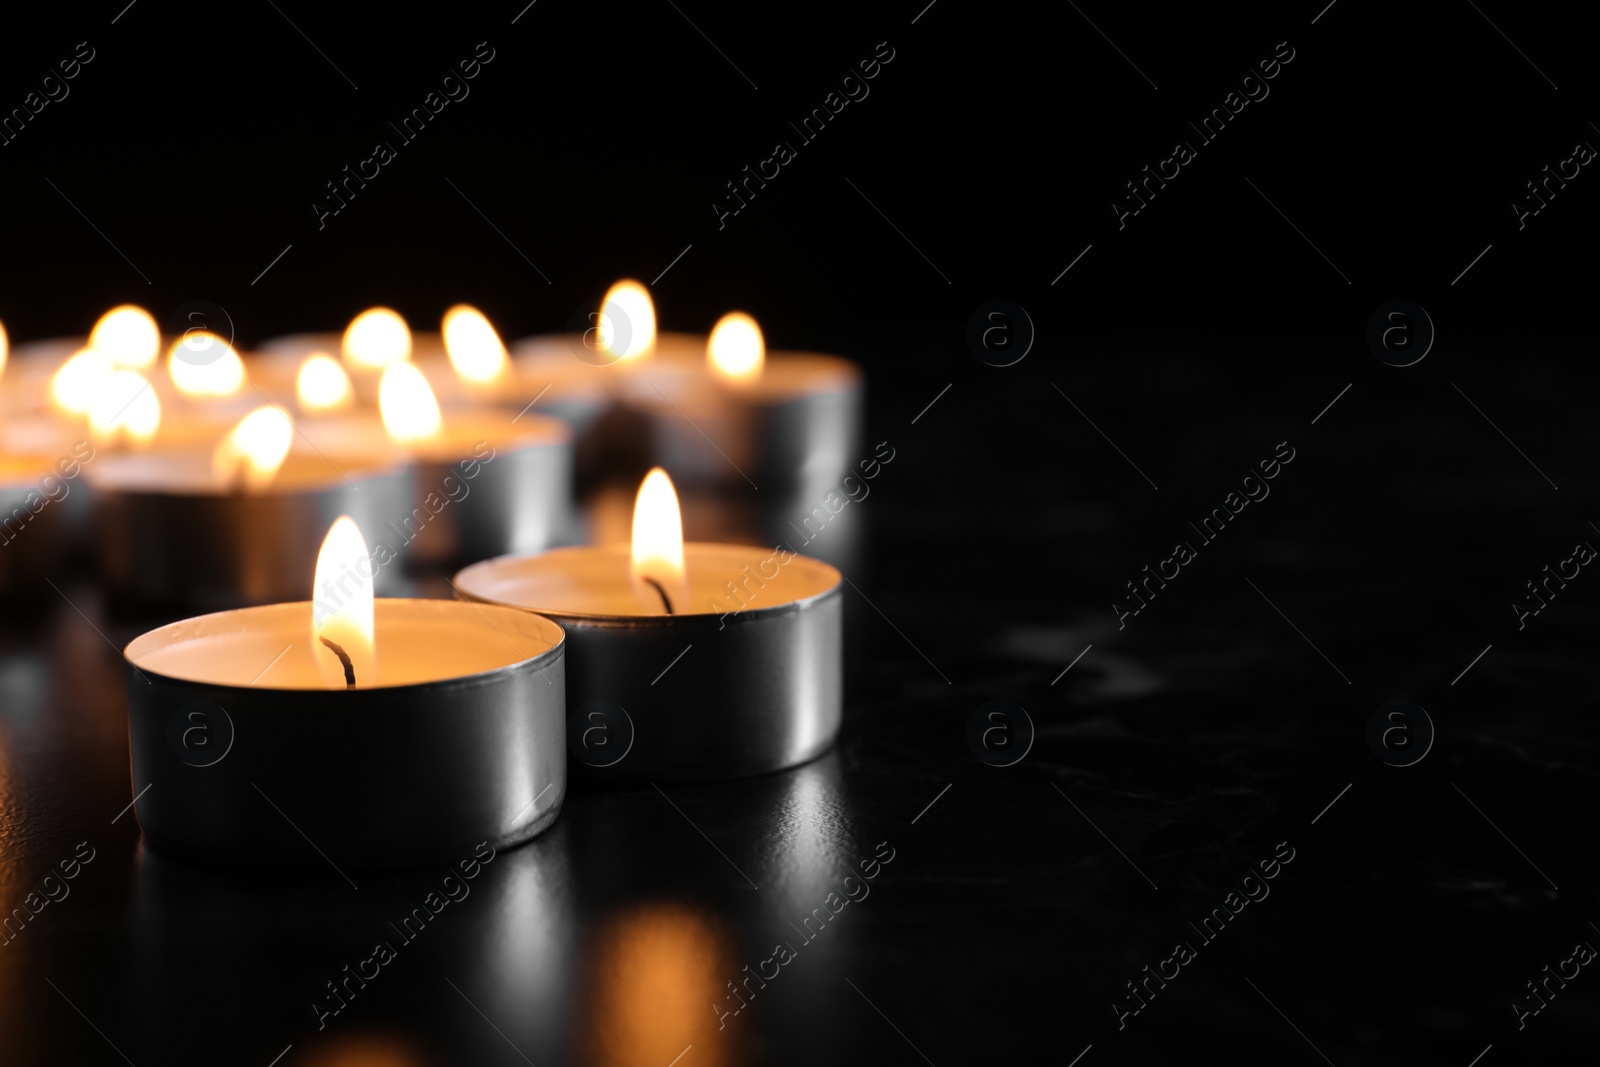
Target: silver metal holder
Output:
[(386, 777), (521, 501), (786, 442), (210, 550), (32, 540), (684, 698)]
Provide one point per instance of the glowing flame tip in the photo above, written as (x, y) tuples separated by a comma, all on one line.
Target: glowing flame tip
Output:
[(736, 350), (342, 608)]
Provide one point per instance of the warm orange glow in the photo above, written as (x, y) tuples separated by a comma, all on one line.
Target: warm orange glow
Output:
[(128, 336), (475, 349), (377, 338), (255, 449), (342, 606), (322, 385), (627, 321), (73, 388), (203, 364), (736, 350), (658, 541), (656, 978), (359, 1049), (406, 401), (124, 404), (5, 348)]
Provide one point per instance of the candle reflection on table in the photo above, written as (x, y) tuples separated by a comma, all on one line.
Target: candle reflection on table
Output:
[(650, 975)]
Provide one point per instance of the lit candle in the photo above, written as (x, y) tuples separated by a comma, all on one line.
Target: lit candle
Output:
[(725, 657), (483, 482), (388, 732), (720, 410), (126, 337), (583, 376), (791, 420), (488, 476), (373, 341), (321, 385), (33, 516), (233, 526)]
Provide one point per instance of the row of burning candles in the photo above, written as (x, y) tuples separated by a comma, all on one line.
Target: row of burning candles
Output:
[(416, 727), (382, 431), (104, 382), (461, 713)]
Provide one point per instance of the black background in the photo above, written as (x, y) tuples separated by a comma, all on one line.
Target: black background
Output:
[(598, 138), (1196, 339)]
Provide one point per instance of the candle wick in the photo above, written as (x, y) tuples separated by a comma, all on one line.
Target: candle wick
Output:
[(664, 598), (344, 658)]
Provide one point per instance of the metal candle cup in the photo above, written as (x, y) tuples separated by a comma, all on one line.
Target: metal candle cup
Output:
[(169, 534), (485, 486), (33, 520), (796, 426), (579, 385), (242, 756), (712, 691)]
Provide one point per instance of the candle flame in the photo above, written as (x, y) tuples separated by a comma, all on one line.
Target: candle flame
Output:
[(73, 387), (406, 401), (254, 449), (128, 336), (202, 364), (657, 569), (475, 349), (627, 325), (123, 403), (377, 338), (5, 348), (736, 350), (322, 385), (342, 607)]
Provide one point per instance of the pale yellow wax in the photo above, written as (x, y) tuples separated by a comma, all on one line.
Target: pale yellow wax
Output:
[(417, 641), (597, 580)]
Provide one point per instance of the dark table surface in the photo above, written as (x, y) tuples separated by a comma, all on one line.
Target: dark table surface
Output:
[(1224, 725)]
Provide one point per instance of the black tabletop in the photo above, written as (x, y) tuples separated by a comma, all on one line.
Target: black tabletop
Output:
[(1215, 688), (1205, 847)]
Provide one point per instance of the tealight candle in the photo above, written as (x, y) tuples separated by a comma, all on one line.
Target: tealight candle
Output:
[(719, 410), (791, 420), (584, 377), (725, 658), (487, 478), (349, 731), (375, 339), (32, 520), (482, 483), (232, 527)]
